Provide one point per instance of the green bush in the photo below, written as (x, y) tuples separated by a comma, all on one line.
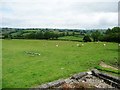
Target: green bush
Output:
[(86, 39)]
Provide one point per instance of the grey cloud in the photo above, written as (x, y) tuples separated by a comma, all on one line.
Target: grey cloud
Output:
[(95, 7), (11, 22), (60, 15), (104, 22)]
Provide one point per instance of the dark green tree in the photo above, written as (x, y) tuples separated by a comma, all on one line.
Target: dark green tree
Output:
[(67, 33), (86, 38), (73, 33), (47, 35), (39, 35), (95, 35)]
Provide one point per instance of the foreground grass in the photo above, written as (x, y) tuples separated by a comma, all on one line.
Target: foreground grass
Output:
[(24, 70)]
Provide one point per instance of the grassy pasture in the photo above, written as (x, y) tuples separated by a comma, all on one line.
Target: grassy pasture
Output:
[(23, 69)]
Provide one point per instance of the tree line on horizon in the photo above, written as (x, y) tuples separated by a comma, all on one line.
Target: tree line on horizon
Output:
[(110, 35)]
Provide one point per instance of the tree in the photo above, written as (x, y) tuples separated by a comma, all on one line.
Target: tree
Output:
[(95, 35), (7, 36), (86, 39), (39, 35), (47, 35), (108, 31), (73, 33), (62, 34), (56, 36), (112, 35), (67, 33), (30, 36)]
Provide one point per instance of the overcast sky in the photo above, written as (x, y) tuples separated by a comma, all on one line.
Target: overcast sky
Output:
[(77, 14)]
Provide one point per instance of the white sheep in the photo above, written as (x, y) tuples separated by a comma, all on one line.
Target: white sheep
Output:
[(77, 45), (104, 44), (119, 44), (56, 45), (82, 44)]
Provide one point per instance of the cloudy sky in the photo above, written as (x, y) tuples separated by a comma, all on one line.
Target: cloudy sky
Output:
[(77, 14)]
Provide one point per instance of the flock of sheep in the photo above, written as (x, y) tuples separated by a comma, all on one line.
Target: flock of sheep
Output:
[(78, 45), (38, 54)]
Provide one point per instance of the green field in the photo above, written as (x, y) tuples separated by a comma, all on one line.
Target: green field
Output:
[(22, 67)]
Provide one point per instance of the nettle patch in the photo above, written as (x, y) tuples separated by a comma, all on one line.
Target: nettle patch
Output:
[(32, 53)]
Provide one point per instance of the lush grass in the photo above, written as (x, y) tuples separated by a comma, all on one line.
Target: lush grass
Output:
[(25, 70)]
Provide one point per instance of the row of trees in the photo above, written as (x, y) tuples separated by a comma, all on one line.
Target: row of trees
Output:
[(41, 35), (111, 35), (33, 35)]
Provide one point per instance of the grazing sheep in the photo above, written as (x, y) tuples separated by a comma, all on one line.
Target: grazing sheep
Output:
[(82, 44), (56, 45), (104, 44), (119, 44), (78, 45)]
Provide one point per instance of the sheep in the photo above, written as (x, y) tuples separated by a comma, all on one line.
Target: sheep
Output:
[(77, 45), (82, 44), (119, 44), (56, 45), (104, 44)]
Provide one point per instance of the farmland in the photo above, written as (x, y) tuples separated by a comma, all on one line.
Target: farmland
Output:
[(28, 63)]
